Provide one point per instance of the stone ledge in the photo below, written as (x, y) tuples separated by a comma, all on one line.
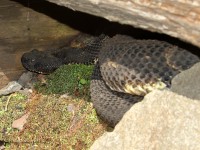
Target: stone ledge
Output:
[(180, 19)]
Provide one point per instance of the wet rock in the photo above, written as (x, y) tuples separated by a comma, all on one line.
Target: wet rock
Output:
[(12, 87), (187, 83), (163, 120)]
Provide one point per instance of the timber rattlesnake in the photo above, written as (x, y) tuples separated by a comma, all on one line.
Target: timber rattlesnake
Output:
[(127, 69)]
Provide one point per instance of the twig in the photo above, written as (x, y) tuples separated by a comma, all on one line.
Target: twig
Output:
[(8, 100)]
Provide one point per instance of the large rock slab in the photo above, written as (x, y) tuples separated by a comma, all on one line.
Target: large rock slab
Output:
[(179, 19), (187, 83), (163, 120)]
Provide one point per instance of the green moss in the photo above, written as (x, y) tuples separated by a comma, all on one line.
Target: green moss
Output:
[(73, 79)]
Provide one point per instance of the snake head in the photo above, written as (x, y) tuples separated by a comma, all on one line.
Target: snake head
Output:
[(40, 62)]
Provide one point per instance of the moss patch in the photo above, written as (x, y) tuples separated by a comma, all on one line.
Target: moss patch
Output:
[(73, 79)]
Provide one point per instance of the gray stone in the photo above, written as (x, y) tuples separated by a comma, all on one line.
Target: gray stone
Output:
[(26, 79), (12, 87), (162, 121), (187, 83)]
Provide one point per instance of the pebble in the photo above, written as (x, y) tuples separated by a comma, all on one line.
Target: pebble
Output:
[(22, 85)]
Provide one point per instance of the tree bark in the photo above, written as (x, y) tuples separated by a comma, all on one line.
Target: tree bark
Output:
[(180, 18)]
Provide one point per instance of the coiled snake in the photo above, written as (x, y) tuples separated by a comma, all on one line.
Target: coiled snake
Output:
[(127, 69)]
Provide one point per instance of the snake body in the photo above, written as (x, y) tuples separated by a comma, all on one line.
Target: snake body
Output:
[(127, 69)]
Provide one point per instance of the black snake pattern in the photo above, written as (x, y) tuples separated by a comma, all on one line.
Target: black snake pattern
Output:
[(126, 70)]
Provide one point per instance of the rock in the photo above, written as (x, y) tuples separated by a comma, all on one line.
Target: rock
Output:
[(187, 83), (19, 123), (12, 87), (26, 79), (163, 120), (179, 19)]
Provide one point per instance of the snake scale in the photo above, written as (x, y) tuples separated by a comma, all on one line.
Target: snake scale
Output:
[(126, 69)]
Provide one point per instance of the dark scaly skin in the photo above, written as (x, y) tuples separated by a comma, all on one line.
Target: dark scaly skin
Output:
[(109, 104), (141, 66)]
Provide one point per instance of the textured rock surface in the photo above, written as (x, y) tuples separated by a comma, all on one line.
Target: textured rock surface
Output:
[(12, 87), (176, 18), (187, 83), (163, 120)]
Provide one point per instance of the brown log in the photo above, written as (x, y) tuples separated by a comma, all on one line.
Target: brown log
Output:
[(177, 18)]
